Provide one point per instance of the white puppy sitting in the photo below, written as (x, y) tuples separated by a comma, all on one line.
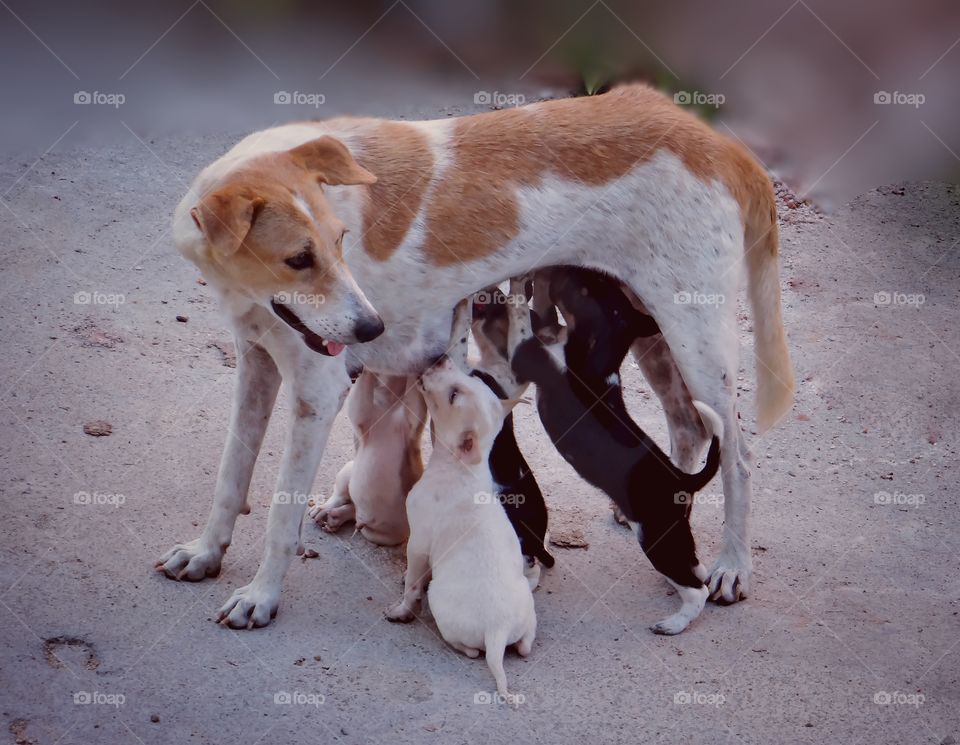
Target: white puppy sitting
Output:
[(461, 541), (388, 415)]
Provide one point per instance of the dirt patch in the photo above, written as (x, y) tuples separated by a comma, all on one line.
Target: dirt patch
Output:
[(54, 648)]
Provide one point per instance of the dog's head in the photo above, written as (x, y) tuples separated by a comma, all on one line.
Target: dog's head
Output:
[(269, 233), (466, 414), (601, 322)]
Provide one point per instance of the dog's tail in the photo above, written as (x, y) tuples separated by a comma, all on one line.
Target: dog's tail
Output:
[(694, 482), (775, 382), (495, 644)]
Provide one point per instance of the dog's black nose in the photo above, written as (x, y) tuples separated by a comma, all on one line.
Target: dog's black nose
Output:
[(368, 330)]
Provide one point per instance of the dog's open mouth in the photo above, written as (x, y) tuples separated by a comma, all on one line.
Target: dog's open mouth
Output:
[(314, 341)]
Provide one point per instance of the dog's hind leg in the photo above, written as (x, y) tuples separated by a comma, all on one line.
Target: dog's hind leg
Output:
[(318, 386), (495, 644), (258, 381), (687, 434)]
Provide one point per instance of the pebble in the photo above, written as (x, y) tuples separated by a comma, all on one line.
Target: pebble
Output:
[(182, 319), (98, 428), (154, 718)]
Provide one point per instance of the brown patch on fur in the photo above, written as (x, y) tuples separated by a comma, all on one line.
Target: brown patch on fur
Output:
[(304, 409), (591, 140), (400, 157)]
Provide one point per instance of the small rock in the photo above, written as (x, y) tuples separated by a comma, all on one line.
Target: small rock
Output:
[(99, 428), (182, 319), (310, 554), (154, 718)]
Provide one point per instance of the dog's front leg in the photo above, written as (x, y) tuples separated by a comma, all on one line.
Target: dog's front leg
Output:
[(415, 581), (258, 381), (317, 387)]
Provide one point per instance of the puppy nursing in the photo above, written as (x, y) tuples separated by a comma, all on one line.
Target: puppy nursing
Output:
[(462, 546), (388, 415), (581, 406)]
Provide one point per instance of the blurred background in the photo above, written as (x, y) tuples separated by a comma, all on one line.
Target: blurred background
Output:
[(835, 98)]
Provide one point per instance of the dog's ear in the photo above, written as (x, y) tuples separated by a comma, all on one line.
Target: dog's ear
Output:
[(332, 163), (226, 216), (468, 448)]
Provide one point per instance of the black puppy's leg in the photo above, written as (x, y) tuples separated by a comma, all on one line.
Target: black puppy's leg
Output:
[(668, 543)]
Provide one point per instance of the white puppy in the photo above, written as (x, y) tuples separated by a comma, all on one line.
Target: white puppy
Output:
[(461, 541), (388, 415)]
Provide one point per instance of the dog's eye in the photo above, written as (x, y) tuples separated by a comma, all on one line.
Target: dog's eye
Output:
[(303, 260), (453, 395)]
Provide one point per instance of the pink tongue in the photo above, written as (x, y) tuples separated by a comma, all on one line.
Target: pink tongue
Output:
[(334, 348)]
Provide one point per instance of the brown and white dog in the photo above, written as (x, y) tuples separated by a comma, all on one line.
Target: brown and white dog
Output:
[(297, 226)]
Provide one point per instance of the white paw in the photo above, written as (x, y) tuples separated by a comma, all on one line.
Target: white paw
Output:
[(532, 573), (400, 613), (671, 625), (729, 579), (251, 606), (192, 561)]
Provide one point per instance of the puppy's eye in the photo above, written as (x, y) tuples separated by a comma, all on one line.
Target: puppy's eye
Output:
[(303, 260), (453, 395)]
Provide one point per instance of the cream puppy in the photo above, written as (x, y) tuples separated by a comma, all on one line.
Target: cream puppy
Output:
[(461, 541), (388, 414)]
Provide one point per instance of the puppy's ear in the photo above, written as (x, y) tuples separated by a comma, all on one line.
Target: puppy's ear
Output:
[(332, 163), (226, 216), (468, 448)]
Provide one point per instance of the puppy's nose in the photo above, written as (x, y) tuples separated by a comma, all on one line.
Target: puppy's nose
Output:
[(368, 329)]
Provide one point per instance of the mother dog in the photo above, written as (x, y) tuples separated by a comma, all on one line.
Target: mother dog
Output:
[(297, 226)]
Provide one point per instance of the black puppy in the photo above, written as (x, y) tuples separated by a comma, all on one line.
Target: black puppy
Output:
[(581, 406), (517, 488)]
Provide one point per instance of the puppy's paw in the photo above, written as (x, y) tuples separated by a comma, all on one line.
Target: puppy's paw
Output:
[(191, 561), (671, 625), (400, 613), (729, 579), (252, 606), (618, 517)]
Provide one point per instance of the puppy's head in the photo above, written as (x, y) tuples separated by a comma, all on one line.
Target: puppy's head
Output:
[(268, 232), (466, 414), (601, 322)]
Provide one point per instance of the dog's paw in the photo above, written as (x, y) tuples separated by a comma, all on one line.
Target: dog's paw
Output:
[(399, 613), (729, 580), (251, 606), (191, 561), (619, 518), (671, 625), (331, 519)]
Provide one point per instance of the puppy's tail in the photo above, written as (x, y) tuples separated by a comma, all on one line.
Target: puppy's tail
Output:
[(495, 644), (696, 481)]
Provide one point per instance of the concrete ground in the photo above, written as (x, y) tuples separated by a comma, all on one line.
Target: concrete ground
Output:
[(850, 634)]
